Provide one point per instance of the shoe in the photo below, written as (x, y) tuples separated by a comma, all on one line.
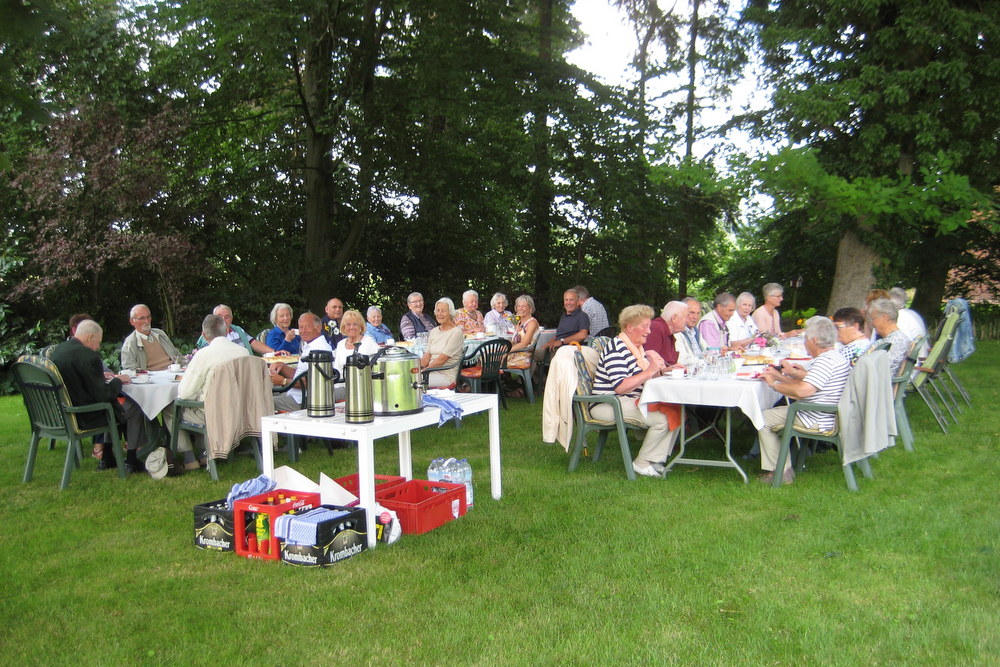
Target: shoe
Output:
[(786, 478), (135, 467), (658, 467), (97, 452), (645, 471), (750, 456), (107, 464), (192, 465), (174, 470)]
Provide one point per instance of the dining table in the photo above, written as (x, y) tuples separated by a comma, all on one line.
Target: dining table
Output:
[(155, 395), (740, 391)]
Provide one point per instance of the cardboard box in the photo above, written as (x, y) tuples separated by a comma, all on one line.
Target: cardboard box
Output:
[(336, 540)]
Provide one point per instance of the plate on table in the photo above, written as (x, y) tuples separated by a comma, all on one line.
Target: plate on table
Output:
[(286, 359), (747, 375)]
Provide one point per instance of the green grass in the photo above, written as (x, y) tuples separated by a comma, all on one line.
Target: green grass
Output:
[(578, 568)]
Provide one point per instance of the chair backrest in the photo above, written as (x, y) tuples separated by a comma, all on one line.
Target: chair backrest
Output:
[(599, 343), (584, 384), (609, 332), (493, 357), (906, 368), (939, 352), (44, 394), (881, 344), (262, 336)]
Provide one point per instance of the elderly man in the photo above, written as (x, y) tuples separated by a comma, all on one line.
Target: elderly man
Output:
[(689, 346), (909, 320), (415, 321), (331, 321), (662, 330), (198, 377), (86, 381), (235, 334), (311, 331), (574, 325), (823, 383), (883, 315), (595, 310), (468, 317), (146, 348), (713, 328)]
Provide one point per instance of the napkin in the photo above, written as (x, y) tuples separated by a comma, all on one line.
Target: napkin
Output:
[(449, 409)]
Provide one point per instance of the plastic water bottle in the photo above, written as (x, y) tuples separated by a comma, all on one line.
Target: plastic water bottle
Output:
[(434, 470), (449, 471), (466, 477)]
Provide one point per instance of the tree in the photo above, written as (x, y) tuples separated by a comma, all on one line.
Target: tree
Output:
[(898, 100)]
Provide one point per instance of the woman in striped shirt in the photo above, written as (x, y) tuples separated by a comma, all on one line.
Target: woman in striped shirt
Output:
[(622, 370)]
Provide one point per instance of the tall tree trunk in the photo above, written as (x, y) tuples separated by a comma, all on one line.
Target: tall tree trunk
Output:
[(542, 196), (684, 240), (854, 275)]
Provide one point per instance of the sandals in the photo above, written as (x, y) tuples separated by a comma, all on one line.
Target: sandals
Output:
[(98, 452)]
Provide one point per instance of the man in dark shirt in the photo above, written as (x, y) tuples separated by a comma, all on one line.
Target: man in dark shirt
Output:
[(86, 381), (331, 321), (574, 325), (662, 329)]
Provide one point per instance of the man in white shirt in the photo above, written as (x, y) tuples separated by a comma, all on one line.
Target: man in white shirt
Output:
[(909, 320)]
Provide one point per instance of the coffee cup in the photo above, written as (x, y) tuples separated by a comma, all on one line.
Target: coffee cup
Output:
[(677, 373), (174, 367)]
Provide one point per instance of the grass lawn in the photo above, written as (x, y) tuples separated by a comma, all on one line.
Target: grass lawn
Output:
[(582, 568)]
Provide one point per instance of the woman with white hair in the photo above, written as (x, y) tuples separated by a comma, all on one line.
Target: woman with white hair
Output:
[(742, 328), (375, 328), (444, 346), (283, 336), (883, 315), (499, 319), (468, 318)]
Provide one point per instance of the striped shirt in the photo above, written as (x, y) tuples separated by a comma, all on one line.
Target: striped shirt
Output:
[(828, 373), (616, 364)]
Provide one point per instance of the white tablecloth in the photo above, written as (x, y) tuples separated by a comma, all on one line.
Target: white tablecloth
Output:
[(154, 396), (752, 397)]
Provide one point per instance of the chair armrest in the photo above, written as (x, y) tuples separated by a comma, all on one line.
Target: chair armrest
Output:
[(426, 373), (299, 381), (801, 406), (91, 407), (610, 399), (188, 403)]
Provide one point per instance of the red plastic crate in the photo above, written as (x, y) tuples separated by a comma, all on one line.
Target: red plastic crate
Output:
[(257, 504), (351, 483), (420, 507)]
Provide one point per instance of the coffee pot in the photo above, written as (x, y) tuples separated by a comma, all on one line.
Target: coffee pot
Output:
[(322, 375), (397, 386), (358, 380)]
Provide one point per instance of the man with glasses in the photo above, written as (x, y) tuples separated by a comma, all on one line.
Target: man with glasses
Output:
[(146, 348)]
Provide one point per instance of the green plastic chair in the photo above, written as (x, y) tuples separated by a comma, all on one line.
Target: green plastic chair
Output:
[(53, 415), (585, 422), (492, 357), (899, 385), (922, 382), (524, 373)]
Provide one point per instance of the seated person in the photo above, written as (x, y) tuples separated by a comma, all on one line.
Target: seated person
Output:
[(662, 331), (689, 347), (198, 377), (574, 326), (597, 314), (850, 325), (147, 348), (499, 319), (909, 321), (311, 333), (283, 338), (823, 383), (882, 313), (333, 311), (375, 328), (352, 328), (623, 369), (444, 346), (468, 318), (742, 328), (713, 327), (415, 321), (525, 333), (767, 317), (235, 334)]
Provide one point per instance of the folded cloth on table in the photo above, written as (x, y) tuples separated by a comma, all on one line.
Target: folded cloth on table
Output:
[(301, 528), (251, 487), (449, 409)]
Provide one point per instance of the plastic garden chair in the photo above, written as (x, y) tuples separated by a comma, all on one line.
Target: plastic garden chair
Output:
[(53, 415), (899, 385), (492, 358)]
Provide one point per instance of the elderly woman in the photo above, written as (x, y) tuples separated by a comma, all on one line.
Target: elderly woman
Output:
[(873, 295), (713, 326), (850, 325), (468, 318), (767, 317), (883, 315), (623, 369), (282, 336), (525, 332), (352, 327), (378, 331), (499, 319), (444, 346), (742, 328)]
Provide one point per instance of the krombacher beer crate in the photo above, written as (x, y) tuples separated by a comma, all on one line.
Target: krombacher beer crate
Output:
[(337, 539), (213, 527)]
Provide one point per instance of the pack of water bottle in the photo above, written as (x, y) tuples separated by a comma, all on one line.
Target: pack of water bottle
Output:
[(453, 471)]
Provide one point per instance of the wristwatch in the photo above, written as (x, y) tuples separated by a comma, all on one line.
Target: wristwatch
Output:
[(562, 342)]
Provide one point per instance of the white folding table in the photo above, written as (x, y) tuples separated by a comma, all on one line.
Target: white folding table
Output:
[(299, 423)]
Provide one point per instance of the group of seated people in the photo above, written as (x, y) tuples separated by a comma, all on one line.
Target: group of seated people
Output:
[(648, 346)]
